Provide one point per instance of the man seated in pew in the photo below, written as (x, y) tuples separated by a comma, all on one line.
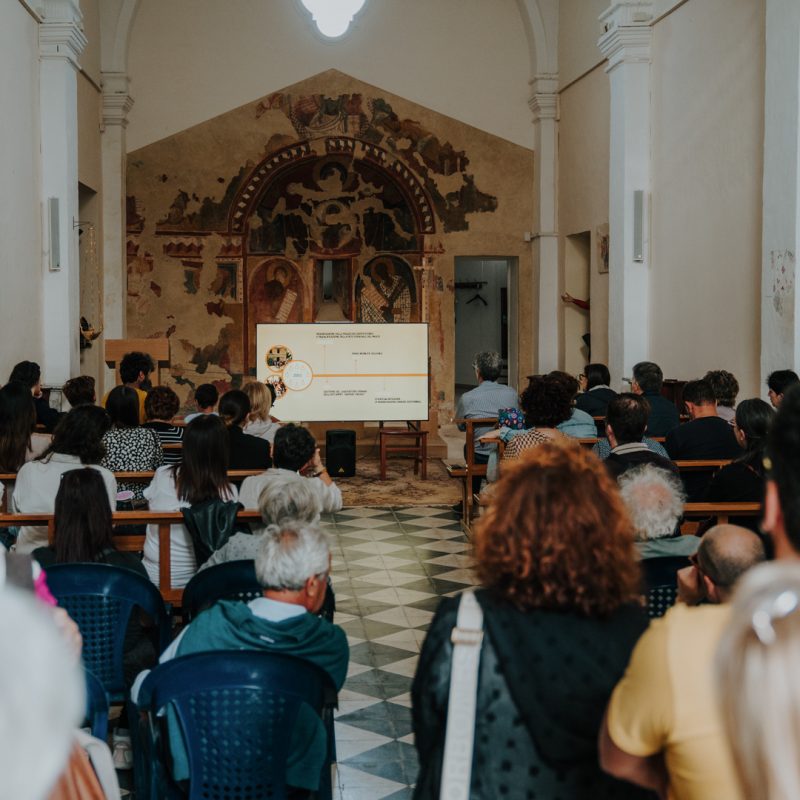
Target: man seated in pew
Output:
[(596, 393), (80, 391), (725, 388), (294, 451), (485, 400), (662, 729), (626, 422), (292, 565), (134, 372), (705, 437), (205, 398), (647, 380), (655, 498)]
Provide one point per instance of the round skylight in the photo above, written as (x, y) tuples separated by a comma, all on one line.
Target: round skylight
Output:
[(333, 17)]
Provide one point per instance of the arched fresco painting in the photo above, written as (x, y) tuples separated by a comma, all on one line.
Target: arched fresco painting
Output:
[(386, 292)]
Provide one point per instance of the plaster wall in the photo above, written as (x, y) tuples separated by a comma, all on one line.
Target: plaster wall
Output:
[(468, 59), (90, 57), (89, 115), (583, 189), (20, 210), (579, 28), (708, 106)]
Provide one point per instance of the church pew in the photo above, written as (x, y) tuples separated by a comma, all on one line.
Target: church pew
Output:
[(467, 471)]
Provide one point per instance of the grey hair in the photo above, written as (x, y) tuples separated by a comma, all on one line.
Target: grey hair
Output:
[(291, 553), (288, 495), (488, 365), (654, 499)]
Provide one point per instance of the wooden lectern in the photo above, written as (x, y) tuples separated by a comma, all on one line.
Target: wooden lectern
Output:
[(157, 349)]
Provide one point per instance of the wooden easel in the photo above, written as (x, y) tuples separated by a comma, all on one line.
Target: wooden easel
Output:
[(157, 349)]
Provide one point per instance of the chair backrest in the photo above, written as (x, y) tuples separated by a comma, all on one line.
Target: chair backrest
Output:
[(233, 580), (96, 706), (101, 598), (235, 710), (660, 581)]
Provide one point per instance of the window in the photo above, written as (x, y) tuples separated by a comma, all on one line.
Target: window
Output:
[(333, 17)]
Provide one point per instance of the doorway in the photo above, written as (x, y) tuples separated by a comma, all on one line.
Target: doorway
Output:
[(484, 303), (332, 291), (577, 259)]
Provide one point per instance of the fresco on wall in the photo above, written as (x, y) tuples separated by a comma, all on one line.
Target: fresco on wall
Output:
[(385, 291), (229, 222)]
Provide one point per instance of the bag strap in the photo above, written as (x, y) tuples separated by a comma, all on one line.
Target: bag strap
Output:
[(467, 637)]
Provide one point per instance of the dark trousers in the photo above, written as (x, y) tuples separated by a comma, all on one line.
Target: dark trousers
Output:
[(478, 458)]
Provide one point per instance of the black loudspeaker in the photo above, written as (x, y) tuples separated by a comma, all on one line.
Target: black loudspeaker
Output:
[(340, 453)]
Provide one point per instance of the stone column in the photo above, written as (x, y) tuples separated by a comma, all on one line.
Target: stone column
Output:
[(61, 41), (544, 104), (117, 103), (780, 315), (626, 44)]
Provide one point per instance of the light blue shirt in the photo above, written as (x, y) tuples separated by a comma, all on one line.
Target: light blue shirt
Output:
[(580, 425), (485, 400)]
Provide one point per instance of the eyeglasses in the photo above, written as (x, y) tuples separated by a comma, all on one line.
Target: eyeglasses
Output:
[(782, 606)]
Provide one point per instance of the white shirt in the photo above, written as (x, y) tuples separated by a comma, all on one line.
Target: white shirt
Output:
[(35, 493), (162, 495), (330, 495)]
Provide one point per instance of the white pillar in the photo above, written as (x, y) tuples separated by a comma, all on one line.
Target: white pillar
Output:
[(116, 105), (626, 44), (61, 41), (780, 315), (544, 104)]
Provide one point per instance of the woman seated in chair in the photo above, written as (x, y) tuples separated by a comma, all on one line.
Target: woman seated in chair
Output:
[(201, 476), (562, 613)]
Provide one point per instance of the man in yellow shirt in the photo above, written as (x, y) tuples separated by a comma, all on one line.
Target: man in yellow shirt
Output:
[(133, 371), (662, 729)]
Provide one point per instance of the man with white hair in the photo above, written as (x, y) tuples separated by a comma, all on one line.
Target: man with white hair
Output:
[(654, 498), (292, 565)]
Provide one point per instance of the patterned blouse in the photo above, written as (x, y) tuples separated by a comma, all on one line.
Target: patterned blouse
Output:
[(132, 450), (525, 441)]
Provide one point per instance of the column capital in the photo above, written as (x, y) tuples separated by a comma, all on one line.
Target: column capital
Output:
[(61, 33), (117, 103), (628, 26), (543, 101)]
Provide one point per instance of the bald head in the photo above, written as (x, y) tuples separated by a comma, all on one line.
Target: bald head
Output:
[(725, 553)]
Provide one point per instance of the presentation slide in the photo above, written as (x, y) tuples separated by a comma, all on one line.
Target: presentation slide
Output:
[(345, 372)]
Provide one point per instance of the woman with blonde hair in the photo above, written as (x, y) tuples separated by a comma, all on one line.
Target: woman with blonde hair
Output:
[(757, 665), (259, 422), (561, 614)]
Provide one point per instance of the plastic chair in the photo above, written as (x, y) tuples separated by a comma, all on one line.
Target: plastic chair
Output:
[(96, 706), (101, 598), (233, 580), (660, 577), (235, 710)]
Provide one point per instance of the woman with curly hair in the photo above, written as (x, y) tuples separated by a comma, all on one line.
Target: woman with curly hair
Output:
[(562, 613)]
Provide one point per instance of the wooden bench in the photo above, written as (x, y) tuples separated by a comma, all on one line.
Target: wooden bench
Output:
[(135, 543), (467, 471)]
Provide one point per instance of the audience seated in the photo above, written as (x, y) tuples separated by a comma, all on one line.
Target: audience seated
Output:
[(705, 436), (18, 441), (29, 374), (654, 498), (134, 370), (160, 407), (245, 452), (294, 451), (285, 497), (626, 421), (561, 615), (259, 422), (725, 388), (201, 475), (129, 447), (205, 398), (80, 391), (485, 400), (292, 564), (647, 380), (579, 425), (662, 729), (596, 393), (77, 440), (779, 382), (546, 403), (756, 668), (42, 697)]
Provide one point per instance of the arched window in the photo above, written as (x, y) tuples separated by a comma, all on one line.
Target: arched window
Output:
[(333, 17)]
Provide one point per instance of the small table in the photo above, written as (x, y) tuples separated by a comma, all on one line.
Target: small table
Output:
[(410, 439)]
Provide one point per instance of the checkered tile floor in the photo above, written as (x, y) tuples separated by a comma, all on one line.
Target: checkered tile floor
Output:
[(390, 567)]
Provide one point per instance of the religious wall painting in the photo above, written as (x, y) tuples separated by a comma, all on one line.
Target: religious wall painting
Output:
[(385, 291), (227, 282), (275, 293)]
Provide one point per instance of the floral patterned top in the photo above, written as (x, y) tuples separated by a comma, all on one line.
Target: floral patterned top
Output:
[(132, 450)]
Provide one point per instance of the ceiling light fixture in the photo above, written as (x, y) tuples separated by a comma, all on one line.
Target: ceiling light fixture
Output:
[(333, 17)]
